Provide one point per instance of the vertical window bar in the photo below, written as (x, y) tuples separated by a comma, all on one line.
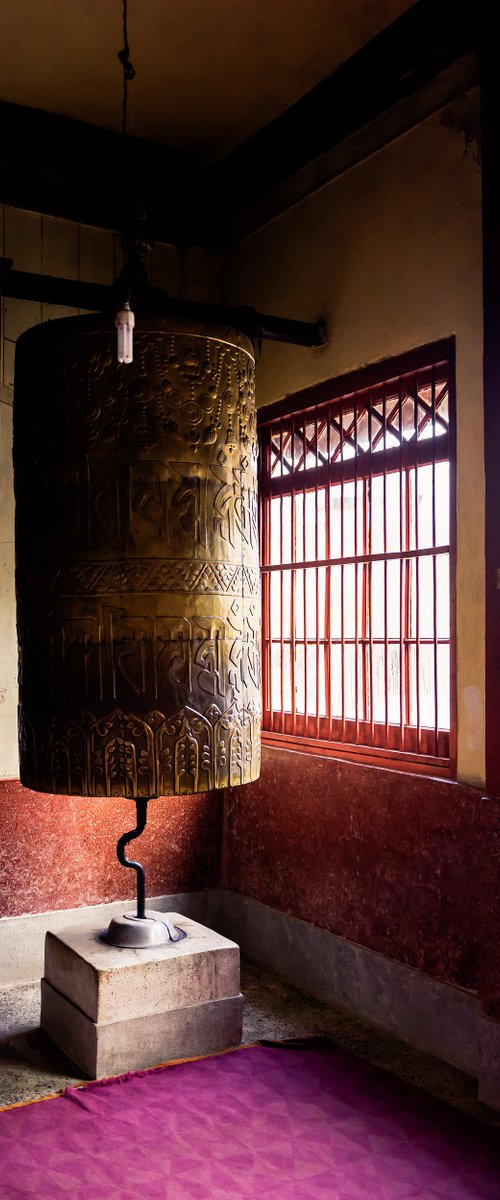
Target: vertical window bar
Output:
[(434, 564), (279, 440), (304, 581), (264, 509), (328, 585), (356, 569), (282, 648), (316, 551), (364, 630), (402, 580), (452, 562), (386, 634), (342, 575), (417, 572), (370, 572), (407, 597), (293, 586)]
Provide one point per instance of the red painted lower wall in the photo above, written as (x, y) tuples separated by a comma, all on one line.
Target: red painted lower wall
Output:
[(403, 864), (60, 851)]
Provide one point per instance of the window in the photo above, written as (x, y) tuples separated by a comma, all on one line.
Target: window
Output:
[(356, 508)]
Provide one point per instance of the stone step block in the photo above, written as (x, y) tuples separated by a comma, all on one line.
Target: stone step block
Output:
[(110, 984), (115, 1047)]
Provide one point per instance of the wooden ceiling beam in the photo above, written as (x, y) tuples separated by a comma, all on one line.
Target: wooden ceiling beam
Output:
[(396, 64), (66, 168), (56, 165)]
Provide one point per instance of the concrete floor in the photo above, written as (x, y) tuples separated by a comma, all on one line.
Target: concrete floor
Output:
[(31, 1067)]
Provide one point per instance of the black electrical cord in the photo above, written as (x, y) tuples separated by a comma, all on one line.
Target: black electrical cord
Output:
[(128, 70), (128, 75)]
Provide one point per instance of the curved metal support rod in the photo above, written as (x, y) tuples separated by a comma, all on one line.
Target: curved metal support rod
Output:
[(140, 932), (141, 810)]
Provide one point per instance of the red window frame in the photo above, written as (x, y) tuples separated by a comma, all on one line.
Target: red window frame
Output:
[(340, 442)]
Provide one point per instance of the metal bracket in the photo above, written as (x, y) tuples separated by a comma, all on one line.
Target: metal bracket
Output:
[(97, 297)]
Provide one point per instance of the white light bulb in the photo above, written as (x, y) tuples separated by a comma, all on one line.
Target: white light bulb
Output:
[(125, 322)]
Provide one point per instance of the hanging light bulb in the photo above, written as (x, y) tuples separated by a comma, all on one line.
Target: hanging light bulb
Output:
[(125, 322)]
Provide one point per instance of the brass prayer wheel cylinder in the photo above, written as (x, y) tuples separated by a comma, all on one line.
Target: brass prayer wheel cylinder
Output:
[(137, 559)]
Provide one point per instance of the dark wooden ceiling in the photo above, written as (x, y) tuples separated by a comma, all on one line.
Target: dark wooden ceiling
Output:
[(54, 163)]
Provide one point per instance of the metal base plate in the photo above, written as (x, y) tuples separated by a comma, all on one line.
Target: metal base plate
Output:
[(141, 933)]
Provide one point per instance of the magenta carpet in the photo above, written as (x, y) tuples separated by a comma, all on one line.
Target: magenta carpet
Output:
[(264, 1123)]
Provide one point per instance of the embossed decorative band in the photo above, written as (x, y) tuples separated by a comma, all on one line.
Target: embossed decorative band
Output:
[(143, 575), (123, 754), (137, 559)]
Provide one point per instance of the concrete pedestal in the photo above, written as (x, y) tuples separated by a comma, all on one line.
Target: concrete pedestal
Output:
[(113, 1010)]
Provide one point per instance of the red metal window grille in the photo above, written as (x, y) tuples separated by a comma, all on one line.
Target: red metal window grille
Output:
[(356, 509)]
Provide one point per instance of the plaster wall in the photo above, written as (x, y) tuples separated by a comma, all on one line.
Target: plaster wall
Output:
[(389, 254), (59, 851), (403, 864)]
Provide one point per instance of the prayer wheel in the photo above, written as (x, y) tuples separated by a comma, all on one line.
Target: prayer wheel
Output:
[(137, 559)]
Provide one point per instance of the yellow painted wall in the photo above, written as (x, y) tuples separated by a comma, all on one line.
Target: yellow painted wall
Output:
[(390, 255)]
